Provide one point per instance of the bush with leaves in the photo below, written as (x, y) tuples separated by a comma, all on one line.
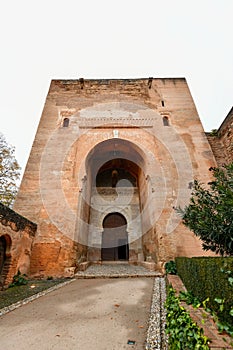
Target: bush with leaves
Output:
[(210, 211), (19, 280), (183, 333), (209, 279), (170, 267), (9, 173), (190, 299)]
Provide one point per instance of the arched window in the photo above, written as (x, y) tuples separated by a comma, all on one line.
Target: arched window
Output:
[(165, 121), (66, 122)]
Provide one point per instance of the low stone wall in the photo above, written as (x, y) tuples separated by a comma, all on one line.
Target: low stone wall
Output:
[(16, 236)]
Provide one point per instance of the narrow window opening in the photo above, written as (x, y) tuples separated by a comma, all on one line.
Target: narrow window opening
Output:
[(66, 122), (162, 102), (150, 82), (81, 80), (165, 121)]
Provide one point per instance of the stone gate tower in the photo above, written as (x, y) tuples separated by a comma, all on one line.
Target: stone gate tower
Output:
[(110, 161)]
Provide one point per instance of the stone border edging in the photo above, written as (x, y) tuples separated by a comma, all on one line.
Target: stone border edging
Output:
[(156, 336), (25, 301)]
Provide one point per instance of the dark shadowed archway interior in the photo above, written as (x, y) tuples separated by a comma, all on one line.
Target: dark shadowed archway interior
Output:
[(2, 253), (115, 238)]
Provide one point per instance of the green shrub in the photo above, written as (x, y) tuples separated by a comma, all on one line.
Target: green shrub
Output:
[(170, 267), (209, 277), (19, 280), (209, 213), (182, 330), (190, 299), (214, 132)]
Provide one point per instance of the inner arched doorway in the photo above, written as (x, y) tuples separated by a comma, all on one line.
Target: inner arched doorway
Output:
[(2, 253), (5, 245), (114, 238)]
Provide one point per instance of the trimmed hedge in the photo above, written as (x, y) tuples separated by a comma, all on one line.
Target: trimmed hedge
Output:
[(203, 277)]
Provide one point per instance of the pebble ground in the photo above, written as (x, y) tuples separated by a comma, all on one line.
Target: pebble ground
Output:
[(117, 270)]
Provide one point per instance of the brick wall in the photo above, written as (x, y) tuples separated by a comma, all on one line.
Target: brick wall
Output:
[(221, 141), (17, 233)]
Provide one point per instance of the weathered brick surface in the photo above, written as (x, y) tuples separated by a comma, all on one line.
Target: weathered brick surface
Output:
[(222, 142), (18, 233), (120, 118)]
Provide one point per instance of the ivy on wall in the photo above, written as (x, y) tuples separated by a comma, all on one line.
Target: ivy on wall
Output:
[(183, 332)]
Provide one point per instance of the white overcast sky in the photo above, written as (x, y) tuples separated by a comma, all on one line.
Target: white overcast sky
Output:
[(69, 39)]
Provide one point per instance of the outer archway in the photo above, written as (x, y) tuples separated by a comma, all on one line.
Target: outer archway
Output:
[(115, 183), (114, 238)]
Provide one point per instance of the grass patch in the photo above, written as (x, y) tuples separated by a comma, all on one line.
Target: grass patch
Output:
[(17, 293)]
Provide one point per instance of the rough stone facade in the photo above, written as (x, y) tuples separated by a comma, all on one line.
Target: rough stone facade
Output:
[(16, 237), (221, 141), (126, 148)]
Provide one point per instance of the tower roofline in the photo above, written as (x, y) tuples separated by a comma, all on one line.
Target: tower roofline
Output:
[(67, 81), (226, 121)]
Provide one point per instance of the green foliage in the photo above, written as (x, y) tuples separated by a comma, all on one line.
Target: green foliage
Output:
[(170, 267), (190, 299), (182, 331), (19, 280), (210, 211), (9, 173), (223, 326), (209, 279), (214, 132)]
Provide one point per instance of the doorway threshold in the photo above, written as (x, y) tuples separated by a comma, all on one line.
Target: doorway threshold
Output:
[(113, 262), (116, 269)]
